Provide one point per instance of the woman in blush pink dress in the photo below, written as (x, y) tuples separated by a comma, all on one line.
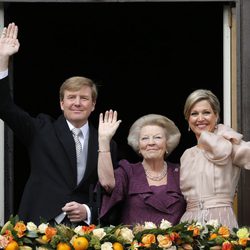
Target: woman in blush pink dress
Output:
[(210, 170)]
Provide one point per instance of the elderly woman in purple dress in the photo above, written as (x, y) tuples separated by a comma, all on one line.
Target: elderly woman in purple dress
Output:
[(147, 190)]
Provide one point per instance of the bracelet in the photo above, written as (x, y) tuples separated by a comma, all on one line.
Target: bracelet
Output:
[(103, 151)]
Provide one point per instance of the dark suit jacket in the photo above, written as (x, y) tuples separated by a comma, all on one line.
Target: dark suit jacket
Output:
[(53, 177)]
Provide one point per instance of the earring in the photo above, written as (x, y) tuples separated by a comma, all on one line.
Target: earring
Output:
[(166, 152), (189, 129)]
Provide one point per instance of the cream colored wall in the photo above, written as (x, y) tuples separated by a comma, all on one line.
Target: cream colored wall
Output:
[(234, 83), (230, 77), (1, 145)]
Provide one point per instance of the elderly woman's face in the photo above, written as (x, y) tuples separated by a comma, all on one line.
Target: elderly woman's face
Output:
[(152, 142)]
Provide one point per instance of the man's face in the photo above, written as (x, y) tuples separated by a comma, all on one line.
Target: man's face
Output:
[(77, 105)]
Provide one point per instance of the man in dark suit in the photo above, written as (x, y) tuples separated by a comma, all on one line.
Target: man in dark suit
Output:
[(59, 185)]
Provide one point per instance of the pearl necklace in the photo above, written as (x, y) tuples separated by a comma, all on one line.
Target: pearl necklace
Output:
[(157, 177)]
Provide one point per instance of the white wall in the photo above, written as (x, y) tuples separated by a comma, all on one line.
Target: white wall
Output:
[(1, 144), (227, 66)]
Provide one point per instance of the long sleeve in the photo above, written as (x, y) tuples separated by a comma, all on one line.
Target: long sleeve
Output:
[(217, 149), (225, 145)]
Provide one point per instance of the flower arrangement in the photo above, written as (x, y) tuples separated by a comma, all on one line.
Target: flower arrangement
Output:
[(15, 234)]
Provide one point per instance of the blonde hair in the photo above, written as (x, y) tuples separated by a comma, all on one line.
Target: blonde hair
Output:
[(199, 95), (75, 83)]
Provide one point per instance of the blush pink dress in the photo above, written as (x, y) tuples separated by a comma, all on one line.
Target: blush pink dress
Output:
[(209, 176)]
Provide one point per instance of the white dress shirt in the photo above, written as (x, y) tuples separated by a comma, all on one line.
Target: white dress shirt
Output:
[(4, 73)]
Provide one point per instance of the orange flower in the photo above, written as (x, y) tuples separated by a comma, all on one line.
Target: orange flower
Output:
[(196, 230), (88, 229), (164, 241), (224, 232), (50, 232), (8, 235), (227, 245), (174, 236), (212, 236), (148, 239), (20, 228), (243, 241)]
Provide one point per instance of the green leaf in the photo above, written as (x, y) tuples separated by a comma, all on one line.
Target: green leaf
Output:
[(32, 234), (6, 226)]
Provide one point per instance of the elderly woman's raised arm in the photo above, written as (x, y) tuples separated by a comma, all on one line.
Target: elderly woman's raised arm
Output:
[(108, 125)]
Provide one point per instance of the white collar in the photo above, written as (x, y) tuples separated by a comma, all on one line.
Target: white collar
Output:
[(84, 128)]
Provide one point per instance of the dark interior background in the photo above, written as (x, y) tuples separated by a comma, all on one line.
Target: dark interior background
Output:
[(146, 57)]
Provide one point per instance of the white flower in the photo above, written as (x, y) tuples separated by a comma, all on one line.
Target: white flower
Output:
[(213, 223), (31, 226), (243, 233), (165, 224), (25, 248), (99, 233), (42, 227), (78, 230), (172, 248), (3, 242), (127, 234), (41, 248), (149, 225), (199, 225), (107, 246)]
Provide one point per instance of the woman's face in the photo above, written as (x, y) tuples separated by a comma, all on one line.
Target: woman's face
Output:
[(202, 118), (152, 142)]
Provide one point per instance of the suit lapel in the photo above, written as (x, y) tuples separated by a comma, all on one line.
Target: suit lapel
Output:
[(65, 137), (91, 164)]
